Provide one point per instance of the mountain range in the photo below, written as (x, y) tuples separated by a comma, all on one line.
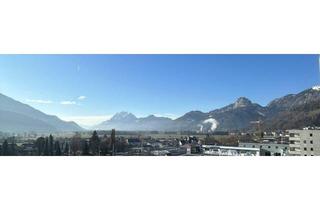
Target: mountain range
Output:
[(18, 117), (235, 116), (291, 111), (129, 122)]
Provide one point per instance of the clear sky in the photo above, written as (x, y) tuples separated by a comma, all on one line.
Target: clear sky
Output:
[(91, 88)]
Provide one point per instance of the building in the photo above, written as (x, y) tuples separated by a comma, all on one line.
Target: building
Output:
[(213, 150), (134, 142), (268, 148), (304, 142)]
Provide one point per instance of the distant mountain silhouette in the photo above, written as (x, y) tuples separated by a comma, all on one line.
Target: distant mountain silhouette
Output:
[(18, 117), (129, 122), (234, 116), (291, 111)]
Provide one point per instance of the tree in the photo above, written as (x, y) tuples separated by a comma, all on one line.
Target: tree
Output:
[(105, 145), (5, 149), (40, 142), (95, 143), (50, 145), (12, 149), (46, 147), (85, 151), (113, 142), (66, 149), (57, 148), (75, 145)]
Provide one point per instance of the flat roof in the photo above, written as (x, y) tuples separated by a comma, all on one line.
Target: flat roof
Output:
[(232, 148)]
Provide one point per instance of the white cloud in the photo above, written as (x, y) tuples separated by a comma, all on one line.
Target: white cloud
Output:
[(87, 120), (68, 103), (82, 97), (39, 101)]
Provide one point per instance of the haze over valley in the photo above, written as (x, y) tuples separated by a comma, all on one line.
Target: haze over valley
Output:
[(288, 112)]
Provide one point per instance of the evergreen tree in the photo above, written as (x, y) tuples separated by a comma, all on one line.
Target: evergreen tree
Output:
[(75, 145), (5, 149), (113, 142), (85, 151), (57, 148), (51, 145), (95, 143), (66, 149), (46, 147)]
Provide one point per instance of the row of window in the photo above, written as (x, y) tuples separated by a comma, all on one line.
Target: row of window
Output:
[(269, 147), (296, 142), (297, 149), (311, 142), (297, 134)]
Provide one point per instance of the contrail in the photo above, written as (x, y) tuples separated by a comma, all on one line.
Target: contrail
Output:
[(317, 87)]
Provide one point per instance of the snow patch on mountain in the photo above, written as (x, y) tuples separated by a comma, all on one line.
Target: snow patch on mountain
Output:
[(317, 88), (262, 114)]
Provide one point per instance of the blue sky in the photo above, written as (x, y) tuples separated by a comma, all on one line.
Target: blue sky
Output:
[(91, 88)]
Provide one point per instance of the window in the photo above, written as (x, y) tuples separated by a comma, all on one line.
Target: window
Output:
[(311, 134), (294, 134), (269, 147), (305, 149), (304, 142), (277, 147), (311, 149), (253, 146), (311, 142)]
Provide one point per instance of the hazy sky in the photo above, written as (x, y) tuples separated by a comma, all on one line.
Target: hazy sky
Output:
[(91, 88)]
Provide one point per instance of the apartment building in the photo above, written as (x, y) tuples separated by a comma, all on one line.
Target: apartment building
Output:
[(304, 142)]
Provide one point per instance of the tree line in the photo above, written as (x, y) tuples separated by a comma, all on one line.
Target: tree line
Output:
[(48, 146)]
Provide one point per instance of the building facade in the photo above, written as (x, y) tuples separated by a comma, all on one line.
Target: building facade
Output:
[(304, 142), (268, 148)]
